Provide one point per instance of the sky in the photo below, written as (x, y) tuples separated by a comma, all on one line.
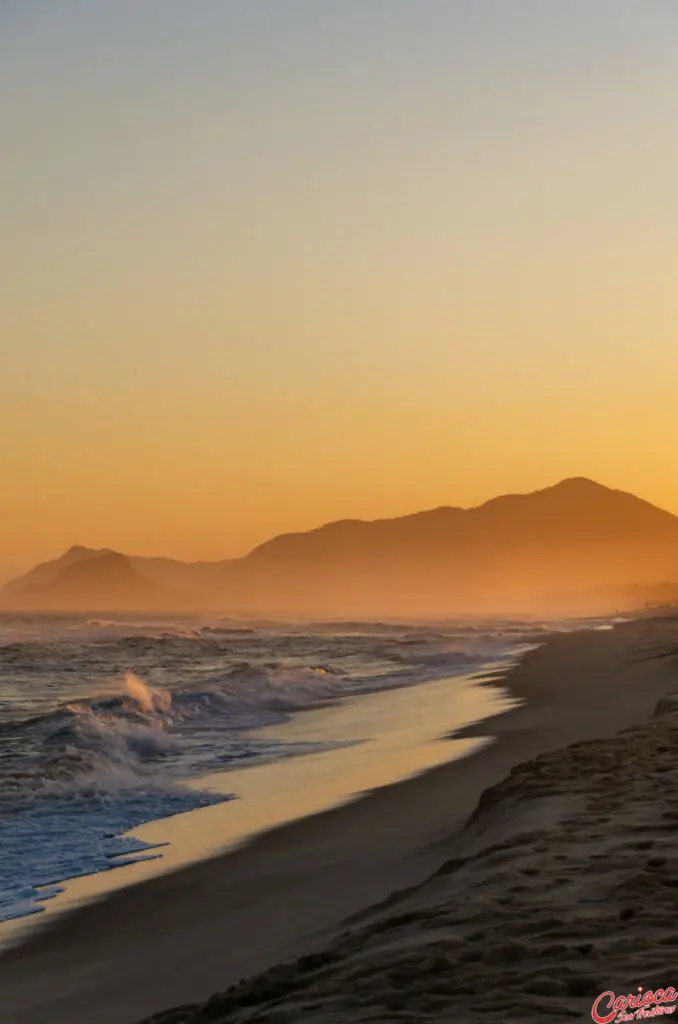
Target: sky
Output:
[(270, 263)]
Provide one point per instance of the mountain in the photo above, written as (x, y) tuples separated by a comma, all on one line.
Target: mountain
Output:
[(187, 577), (45, 572), (546, 551), (574, 547), (98, 581), (170, 572)]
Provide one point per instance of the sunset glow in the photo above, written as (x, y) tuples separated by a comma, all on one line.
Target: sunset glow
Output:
[(267, 265)]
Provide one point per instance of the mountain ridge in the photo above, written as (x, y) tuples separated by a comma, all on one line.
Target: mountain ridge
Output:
[(512, 551), (102, 581)]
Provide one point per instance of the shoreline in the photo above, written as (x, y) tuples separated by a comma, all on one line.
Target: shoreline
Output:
[(179, 937), (557, 900), (367, 741)]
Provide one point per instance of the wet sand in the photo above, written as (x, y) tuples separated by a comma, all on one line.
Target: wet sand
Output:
[(550, 866), (369, 741)]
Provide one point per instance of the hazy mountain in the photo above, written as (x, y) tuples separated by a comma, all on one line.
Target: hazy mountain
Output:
[(571, 547), (542, 551), (168, 572), (97, 582), (45, 572)]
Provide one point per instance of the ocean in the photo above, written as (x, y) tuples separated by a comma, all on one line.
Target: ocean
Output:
[(103, 722)]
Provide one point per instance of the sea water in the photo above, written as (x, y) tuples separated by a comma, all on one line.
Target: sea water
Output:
[(104, 722)]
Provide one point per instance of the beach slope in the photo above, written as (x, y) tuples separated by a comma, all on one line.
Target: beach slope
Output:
[(562, 886), (491, 894)]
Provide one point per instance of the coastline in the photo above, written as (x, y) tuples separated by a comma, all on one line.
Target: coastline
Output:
[(179, 937), (366, 741)]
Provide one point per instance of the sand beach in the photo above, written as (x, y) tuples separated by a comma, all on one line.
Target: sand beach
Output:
[(518, 883)]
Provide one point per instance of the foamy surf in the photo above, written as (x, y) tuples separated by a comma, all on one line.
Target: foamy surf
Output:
[(103, 722)]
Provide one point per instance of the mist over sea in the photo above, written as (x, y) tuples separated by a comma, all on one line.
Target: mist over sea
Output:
[(104, 721)]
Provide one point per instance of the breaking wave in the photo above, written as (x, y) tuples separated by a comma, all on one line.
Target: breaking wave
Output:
[(104, 721)]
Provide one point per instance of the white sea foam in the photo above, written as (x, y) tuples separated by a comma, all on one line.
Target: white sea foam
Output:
[(103, 721), (147, 698)]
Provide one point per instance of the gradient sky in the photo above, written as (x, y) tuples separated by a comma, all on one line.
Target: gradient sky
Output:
[(267, 263)]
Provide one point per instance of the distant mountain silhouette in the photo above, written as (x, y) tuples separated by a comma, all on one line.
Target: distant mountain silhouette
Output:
[(179, 576), (570, 547), (98, 582), (517, 553), (45, 572)]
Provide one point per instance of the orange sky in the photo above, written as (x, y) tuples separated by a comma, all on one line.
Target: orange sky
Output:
[(269, 265)]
